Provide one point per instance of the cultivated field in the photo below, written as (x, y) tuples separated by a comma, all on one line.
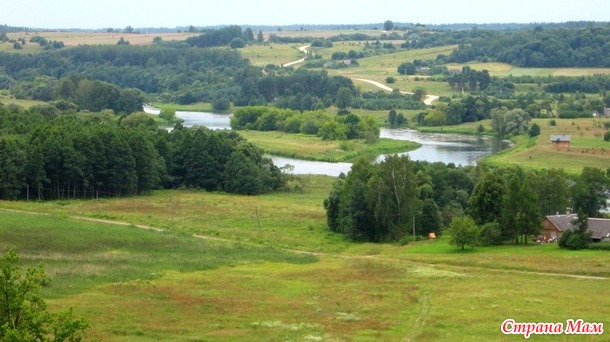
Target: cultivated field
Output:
[(72, 38), (243, 278)]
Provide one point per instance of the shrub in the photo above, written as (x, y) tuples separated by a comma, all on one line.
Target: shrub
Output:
[(491, 234), (600, 246), (607, 136), (390, 80), (573, 240)]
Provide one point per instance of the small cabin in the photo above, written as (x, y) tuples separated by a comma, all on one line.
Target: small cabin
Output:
[(561, 140)]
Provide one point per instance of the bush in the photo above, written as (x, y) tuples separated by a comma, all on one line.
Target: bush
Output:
[(573, 240), (607, 136), (534, 130), (600, 246), (390, 80), (491, 234), (222, 104)]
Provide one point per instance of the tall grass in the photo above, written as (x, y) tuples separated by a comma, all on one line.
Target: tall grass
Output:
[(80, 254)]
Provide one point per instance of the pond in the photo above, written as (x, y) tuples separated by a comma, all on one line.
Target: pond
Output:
[(459, 149)]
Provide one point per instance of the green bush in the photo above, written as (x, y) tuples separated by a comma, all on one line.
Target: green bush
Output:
[(600, 246), (607, 136), (573, 240), (491, 234)]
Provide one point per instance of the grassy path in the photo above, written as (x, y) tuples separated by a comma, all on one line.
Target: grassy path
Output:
[(320, 254)]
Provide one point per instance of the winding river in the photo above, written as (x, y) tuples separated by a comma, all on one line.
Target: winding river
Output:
[(459, 149)]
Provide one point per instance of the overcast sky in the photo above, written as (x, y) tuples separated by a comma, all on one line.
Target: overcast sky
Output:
[(162, 13)]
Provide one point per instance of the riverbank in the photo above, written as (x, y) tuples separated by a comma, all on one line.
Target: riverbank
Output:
[(309, 147)]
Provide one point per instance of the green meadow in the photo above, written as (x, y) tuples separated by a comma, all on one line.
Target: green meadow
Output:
[(303, 146), (266, 268)]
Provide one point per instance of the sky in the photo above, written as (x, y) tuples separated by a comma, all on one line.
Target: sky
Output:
[(87, 14)]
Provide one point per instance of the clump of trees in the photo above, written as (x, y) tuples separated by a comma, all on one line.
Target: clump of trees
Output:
[(232, 35), (393, 199), (23, 312), (396, 198), (319, 123)]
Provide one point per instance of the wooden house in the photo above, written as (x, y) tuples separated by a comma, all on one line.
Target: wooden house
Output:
[(561, 140), (554, 225)]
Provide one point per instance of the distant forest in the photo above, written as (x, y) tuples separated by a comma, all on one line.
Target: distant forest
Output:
[(556, 47)]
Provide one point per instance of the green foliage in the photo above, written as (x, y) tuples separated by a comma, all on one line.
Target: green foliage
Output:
[(590, 193), (607, 136), (406, 68), (534, 130), (463, 232), (220, 37), (309, 122), (486, 205), (600, 246), (388, 25), (344, 98), (491, 234), (553, 47), (470, 79), (88, 156), (237, 43), (506, 122), (23, 313), (573, 240)]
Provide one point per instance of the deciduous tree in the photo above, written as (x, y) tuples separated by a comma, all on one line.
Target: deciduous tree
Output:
[(463, 232), (23, 312)]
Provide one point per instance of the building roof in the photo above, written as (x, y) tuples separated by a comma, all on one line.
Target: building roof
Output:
[(561, 137), (599, 228)]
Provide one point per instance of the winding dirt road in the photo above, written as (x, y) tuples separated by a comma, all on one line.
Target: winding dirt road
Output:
[(428, 100)]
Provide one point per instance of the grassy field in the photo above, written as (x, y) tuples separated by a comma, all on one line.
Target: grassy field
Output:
[(310, 147), (503, 70), (588, 147), (276, 54), (25, 103), (140, 285), (72, 38)]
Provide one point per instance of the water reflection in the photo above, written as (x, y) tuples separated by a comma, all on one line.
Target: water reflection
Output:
[(209, 120), (459, 149)]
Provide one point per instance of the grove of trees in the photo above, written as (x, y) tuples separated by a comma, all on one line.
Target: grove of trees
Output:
[(90, 155), (393, 199)]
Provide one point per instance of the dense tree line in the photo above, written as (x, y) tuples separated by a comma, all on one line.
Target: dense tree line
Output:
[(222, 37), (80, 94), (319, 123), (168, 70), (591, 84), (89, 155), (386, 201), (299, 90), (540, 47)]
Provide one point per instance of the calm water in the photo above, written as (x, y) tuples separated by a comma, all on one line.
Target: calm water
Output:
[(447, 148)]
